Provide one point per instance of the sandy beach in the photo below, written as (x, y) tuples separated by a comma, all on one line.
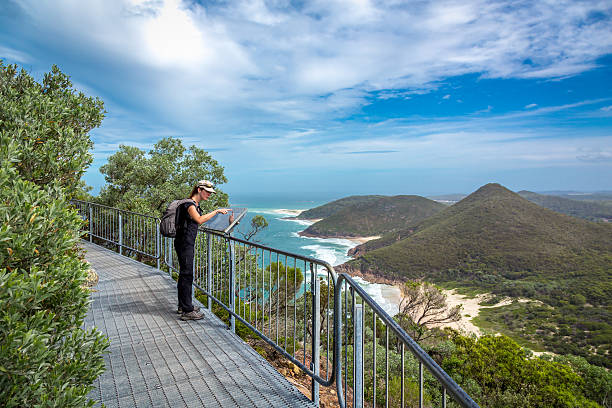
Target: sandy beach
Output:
[(361, 240), (286, 211), (471, 308)]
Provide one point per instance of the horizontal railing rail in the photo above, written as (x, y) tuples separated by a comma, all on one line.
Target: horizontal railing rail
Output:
[(360, 334), (294, 303), (275, 294), (126, 230)]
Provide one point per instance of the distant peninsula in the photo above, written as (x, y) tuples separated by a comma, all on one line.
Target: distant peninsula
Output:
[(368, 216)]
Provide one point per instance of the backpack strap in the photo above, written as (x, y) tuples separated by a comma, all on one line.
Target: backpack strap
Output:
[(184, 201)]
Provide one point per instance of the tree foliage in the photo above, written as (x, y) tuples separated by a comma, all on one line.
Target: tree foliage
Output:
[(597, 380), (423, 307), (258, 223), (51, 123), (46, 358), (495, 241), (499, 373), (146, 182)]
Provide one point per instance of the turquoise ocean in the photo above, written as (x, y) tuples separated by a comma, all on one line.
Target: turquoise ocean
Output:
[(282, 233)]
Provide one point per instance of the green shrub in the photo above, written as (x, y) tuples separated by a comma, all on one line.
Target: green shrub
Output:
[(46, 358), (507, 377)]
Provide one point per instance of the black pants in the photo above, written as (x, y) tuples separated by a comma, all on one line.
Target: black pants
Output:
[(185, 279)]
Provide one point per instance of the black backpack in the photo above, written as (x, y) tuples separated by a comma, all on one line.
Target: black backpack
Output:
[(167, 224)]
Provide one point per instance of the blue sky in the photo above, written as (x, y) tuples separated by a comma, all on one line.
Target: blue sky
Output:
[(342, 96)]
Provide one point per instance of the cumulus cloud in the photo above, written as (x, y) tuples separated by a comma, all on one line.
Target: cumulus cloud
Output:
[(275, 84), (281, 61)]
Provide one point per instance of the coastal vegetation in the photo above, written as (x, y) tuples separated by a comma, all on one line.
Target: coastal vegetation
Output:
[(146, 182), (494, 370), (600, 210), (333, 207), (497, 372), (374, 216), (497, 242), (46, 358), (423, 308)]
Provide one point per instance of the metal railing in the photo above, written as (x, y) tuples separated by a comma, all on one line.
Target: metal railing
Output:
[(377, 375), (128, 231), (324, 323)]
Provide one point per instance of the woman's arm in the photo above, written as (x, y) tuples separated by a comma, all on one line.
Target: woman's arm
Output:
[(201, 219)]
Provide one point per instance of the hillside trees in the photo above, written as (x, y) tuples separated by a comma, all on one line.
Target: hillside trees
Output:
[(371, 216), (258, 223), (46, 358), (423, 307), (495, 241), (146, 182), (498, 373)]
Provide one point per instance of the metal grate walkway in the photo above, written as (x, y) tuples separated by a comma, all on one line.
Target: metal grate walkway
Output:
[(157, 360)]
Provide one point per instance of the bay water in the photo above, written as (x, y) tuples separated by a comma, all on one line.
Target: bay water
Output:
[(282, 233)]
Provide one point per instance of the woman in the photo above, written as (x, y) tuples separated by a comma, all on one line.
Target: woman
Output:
[(189, 219)]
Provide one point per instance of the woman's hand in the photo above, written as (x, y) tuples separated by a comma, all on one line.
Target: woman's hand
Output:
[(223, 210)]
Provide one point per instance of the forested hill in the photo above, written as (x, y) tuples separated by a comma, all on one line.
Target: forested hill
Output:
[(497, 230), (590, 210), (496, 241), (375, 217), (333, 207)]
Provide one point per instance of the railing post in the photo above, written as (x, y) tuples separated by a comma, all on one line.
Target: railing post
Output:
[(157, 245), (232, 288), (209, 268), (316, 326), (120, 235), (169, 255), (358, 353), (90, 223)]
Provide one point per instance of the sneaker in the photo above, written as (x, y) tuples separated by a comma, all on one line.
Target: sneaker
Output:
[(193, 315), (180, 310)]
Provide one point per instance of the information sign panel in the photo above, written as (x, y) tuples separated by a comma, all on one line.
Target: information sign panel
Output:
[(226, 222)]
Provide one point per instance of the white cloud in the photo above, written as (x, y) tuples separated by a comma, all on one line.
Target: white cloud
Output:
[(512, 141), (260, 76), (14, 56), (595, 155), (198, 64)]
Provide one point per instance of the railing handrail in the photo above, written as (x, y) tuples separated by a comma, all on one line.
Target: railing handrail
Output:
[(267, 248), (116, 209), (446, 381)]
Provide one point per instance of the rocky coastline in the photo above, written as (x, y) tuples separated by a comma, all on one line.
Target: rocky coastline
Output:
[(367, 275)]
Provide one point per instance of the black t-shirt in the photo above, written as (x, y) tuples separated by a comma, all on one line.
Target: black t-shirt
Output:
[(186, 227)]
